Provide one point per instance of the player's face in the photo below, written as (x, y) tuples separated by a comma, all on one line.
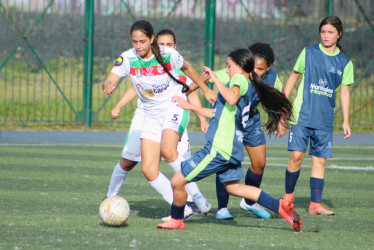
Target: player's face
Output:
[(261, 66), (329, 36), (167, 41), (232, 68), (142, 43)]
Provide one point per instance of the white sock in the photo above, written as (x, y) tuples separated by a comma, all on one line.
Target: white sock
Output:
[(163, 186), (191, 187), (118, 177)]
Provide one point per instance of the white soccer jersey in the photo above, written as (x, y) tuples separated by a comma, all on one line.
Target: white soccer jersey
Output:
[(153, 85)]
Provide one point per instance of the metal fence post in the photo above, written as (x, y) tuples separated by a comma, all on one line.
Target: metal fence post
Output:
[(210, 26), (329, 7), (88, 61)]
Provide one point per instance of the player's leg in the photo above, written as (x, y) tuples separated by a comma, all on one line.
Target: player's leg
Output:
[(284, 208), (223, 200), (297, 145), (176, 121), (255, 172), (119, 175), (320, 149), (130, 154)]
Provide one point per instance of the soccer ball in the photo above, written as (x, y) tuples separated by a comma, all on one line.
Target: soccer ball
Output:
[(114, 211)]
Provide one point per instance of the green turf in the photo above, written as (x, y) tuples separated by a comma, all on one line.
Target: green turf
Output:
[(50, 196)]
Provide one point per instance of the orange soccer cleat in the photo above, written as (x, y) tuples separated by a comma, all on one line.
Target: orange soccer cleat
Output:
[(288, 212), (171, 224), (317, 208), (288, 197)]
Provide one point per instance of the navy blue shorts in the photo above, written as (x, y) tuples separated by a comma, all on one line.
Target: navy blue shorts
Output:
[(254, 135), (206, 162), (320, 141)]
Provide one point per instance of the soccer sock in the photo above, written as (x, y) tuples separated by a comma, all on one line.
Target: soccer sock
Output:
[(316, 189), (252, 179), (269, 202), (222, 194), (192, 189), (163, 186), (177, 212), (291, 180), (118, 177)]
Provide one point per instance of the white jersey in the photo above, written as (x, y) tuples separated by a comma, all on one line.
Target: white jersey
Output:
[(153, 85)]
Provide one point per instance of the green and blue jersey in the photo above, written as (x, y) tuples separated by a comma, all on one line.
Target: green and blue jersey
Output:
[(324, 73)]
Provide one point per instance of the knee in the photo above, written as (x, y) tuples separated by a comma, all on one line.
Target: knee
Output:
[(296, 157), (127, 165), (150, 172), (258, 167), (170, 154)]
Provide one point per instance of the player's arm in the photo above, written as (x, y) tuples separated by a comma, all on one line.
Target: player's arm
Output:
[(206, 112), (128, 96), (210, 95), (194, 99), (345, 97), (231, 95), (291, 81), (110, 83)]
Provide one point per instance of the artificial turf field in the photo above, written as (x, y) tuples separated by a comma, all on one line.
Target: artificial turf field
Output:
[(50, 196)]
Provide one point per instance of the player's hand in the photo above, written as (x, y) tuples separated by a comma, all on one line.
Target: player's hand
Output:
[(108, 88), (205, 77), (114, 113), (181, 102), (347, 131), (204, 125), (281, 130)]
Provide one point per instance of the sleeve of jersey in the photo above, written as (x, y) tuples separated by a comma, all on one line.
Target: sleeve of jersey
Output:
[(240, 81), (176, 59), (121, 66), (348, 74), (300, 63), (278, 84), (222, 76)]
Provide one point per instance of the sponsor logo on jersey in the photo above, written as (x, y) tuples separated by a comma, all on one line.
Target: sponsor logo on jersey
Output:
[(119, 61), (149, 71), (160, 69), (157, 89), (138, 73), (332, 70), (321, 88)]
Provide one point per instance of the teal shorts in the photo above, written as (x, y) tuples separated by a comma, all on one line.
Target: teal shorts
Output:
[(320, 141), (205, 163)]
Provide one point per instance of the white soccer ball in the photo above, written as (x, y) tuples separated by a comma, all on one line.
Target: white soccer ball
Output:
[(114, 211)]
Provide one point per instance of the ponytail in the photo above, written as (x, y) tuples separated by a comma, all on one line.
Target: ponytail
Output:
[(275, 104), (156, 51)]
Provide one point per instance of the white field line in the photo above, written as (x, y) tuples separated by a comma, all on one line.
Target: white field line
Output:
[(368, 168)]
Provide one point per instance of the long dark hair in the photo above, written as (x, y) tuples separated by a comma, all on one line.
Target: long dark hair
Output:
[(146, 28), (338, 25), (275, 103)]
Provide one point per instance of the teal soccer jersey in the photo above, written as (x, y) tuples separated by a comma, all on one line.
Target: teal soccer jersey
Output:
[(225, 130), (324, 73)]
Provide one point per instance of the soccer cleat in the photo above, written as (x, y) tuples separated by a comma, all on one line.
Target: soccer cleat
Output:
[(171, 224), (195, 209), (317, 208), (288, 212), (188, 214), (203, 204), (224, 214), (255, 208), (288, 197)]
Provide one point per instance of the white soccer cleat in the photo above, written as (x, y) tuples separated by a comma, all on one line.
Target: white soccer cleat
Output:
[(203, 204)]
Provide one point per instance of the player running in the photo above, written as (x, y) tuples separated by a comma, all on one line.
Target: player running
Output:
[(151, 69), (222, 154)]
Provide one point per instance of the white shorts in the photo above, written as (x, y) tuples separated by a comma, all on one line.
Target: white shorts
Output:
[(131, 148), (173, 117)]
